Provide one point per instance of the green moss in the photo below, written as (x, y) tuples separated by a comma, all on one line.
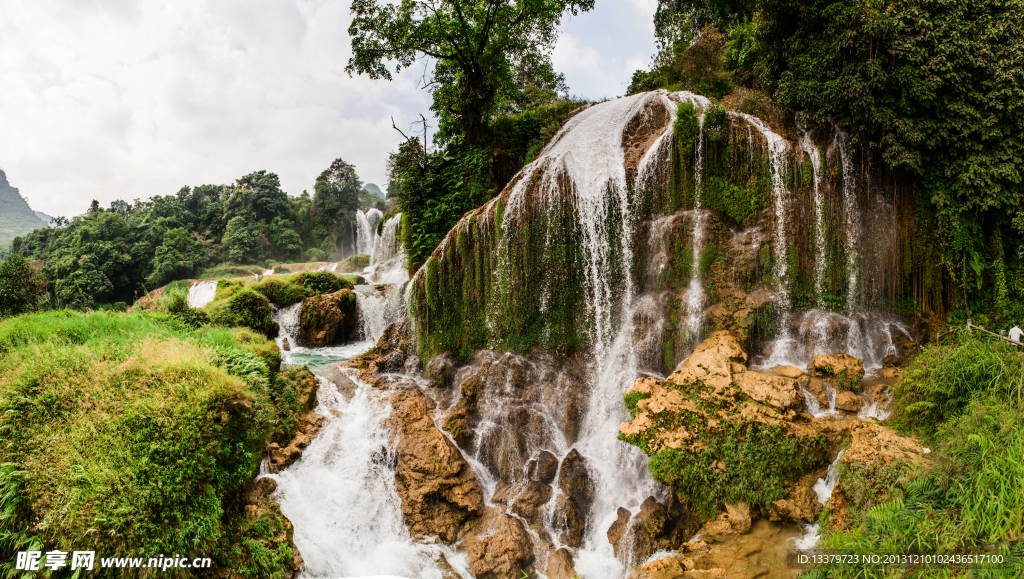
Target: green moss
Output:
[(282, 292), (631, 399), (252, 310)]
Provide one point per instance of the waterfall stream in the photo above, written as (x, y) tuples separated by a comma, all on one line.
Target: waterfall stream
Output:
[(201, 293), (366, 229), (811, 150)]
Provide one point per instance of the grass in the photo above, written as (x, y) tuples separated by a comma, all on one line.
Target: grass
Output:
[(964, 401), (136, 435)]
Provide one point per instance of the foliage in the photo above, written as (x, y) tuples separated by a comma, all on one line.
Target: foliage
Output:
[(283, 292), (20, 289), (323, 282), (335, 201), (486, 55), (252, 310), (131, 434), (944, 380)]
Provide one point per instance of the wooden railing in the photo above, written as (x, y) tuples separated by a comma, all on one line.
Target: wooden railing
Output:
[(970, 326)]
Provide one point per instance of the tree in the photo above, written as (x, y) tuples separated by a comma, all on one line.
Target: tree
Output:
[(177, 257), (335, 201), (477, 47), (20, 289)]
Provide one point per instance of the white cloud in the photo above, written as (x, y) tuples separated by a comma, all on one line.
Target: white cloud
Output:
[(108, 99)]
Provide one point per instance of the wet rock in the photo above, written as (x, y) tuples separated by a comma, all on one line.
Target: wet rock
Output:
[(500, 548), (560, 565), (653, 516), (441, 370), (801, 506), (789, 372), (573, 506), (891, 361), (849, 401), (735, 521), (438, 488), (838, 366), (285, 345), (285, 450), (529, 502), (329, 318), (773, 390), (542, 468), (655, 527), (263, 488), (393, 347), (820, 389), (618, 529)]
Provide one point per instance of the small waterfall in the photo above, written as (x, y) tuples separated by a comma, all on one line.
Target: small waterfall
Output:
[(870, 336), (695, 296), (388, 262), (819, 210), (823, 488), (342, 500), (287, 319), (851, 220), (366, 230), (201, 293), (813, 405)]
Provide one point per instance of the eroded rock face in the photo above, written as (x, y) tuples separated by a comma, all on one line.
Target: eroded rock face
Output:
[(329, 318), (285, 450), (441, 370), (438, 488), (776, 391), (560, 565), (499, 548), (394, 347), (655, 527), (572, 508), (838, 365), (542, 468), (711, 362)]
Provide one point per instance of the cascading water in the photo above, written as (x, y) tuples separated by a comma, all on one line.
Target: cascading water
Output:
[(695, 292), (819, 210), (851, 220), (367, 229), (823, 488), (201, 293)]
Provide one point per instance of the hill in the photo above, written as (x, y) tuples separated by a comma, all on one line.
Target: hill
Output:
[(374, 190), (16, 217)]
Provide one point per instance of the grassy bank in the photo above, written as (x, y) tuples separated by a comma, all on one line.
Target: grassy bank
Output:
[(137, 435), (965, 403)]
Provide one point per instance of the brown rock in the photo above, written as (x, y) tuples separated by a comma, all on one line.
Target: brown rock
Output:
[(329, 318), (893, 362), (618, 529), (789, 372), (711, 362), (501, 550), (890, 373), (773, 390), (284, 345), (820, 390), (542, 468), (441, 370), (533, 496), (263, 488), (438, 488), (849, 401), (838, 365), (653, 516), (739, 516), (573, 505), (560, 565)]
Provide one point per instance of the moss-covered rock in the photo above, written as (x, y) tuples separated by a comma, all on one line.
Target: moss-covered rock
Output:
[(330, 318)]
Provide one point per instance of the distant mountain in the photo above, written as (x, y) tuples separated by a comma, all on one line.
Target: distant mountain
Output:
[(374, 190), (44, 218), (16, 217)]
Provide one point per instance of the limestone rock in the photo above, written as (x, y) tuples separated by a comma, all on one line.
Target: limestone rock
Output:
[(789, 372), (735, 521), (739, 516), (329, 318), (893, 362), (573, 506), (438, 488), (801, 506), (711, 362), (838, 365), (285, 345), (849, 401), (542, 468), (501, 549), (529, 501), (618, 529), (893, 374), (441, 370), (560, 565), (773, 390), (821, 390)]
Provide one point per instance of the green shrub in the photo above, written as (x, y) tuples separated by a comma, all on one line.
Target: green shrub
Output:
[(315, 254), (282, 292), (323, 282), (355, 263), (252, 310)]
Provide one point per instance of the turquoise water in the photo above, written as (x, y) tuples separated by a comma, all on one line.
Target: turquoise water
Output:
[(317, 358)]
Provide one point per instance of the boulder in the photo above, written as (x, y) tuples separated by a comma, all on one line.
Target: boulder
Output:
[(393, 348), (849, 401), (560, 565), (438, 488), (441, 370), (329, 318), (542, 468), (821, 390), (500, 548), (735, 521), (789, 372), (285, 345), (711, 362), (841, 366), (529, 501), (772, 390), (573, 506), (891, 361)]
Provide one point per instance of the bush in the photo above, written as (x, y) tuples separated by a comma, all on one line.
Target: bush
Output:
[(324, 282), (252, 310), (315, 254), (282, 292)]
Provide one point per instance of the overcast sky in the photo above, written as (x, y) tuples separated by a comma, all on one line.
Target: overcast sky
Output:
[(126, 99)]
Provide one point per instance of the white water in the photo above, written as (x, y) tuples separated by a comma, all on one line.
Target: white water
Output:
[(813, 405), (341, 497), (366, 230), (819, 210), (695, 296), (201, 293), (823, 488), (864, 335), (851, 220), (388, 262)]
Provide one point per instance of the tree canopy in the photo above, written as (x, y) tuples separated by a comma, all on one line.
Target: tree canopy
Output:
[(487, 54)]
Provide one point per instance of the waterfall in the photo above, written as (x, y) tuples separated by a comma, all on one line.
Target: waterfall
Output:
[(342, 500), (695, 293), (819, 210), (366, 230), (851, 220), (823, 488), (388, 262), (201, 293)]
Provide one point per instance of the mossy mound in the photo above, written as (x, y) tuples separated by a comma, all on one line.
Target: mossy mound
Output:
[(329, 318), (139, 435)]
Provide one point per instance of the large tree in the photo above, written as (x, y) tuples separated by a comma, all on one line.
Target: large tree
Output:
[(481, 51)]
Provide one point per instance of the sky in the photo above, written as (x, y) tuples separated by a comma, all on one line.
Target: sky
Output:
[(126, 99)]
